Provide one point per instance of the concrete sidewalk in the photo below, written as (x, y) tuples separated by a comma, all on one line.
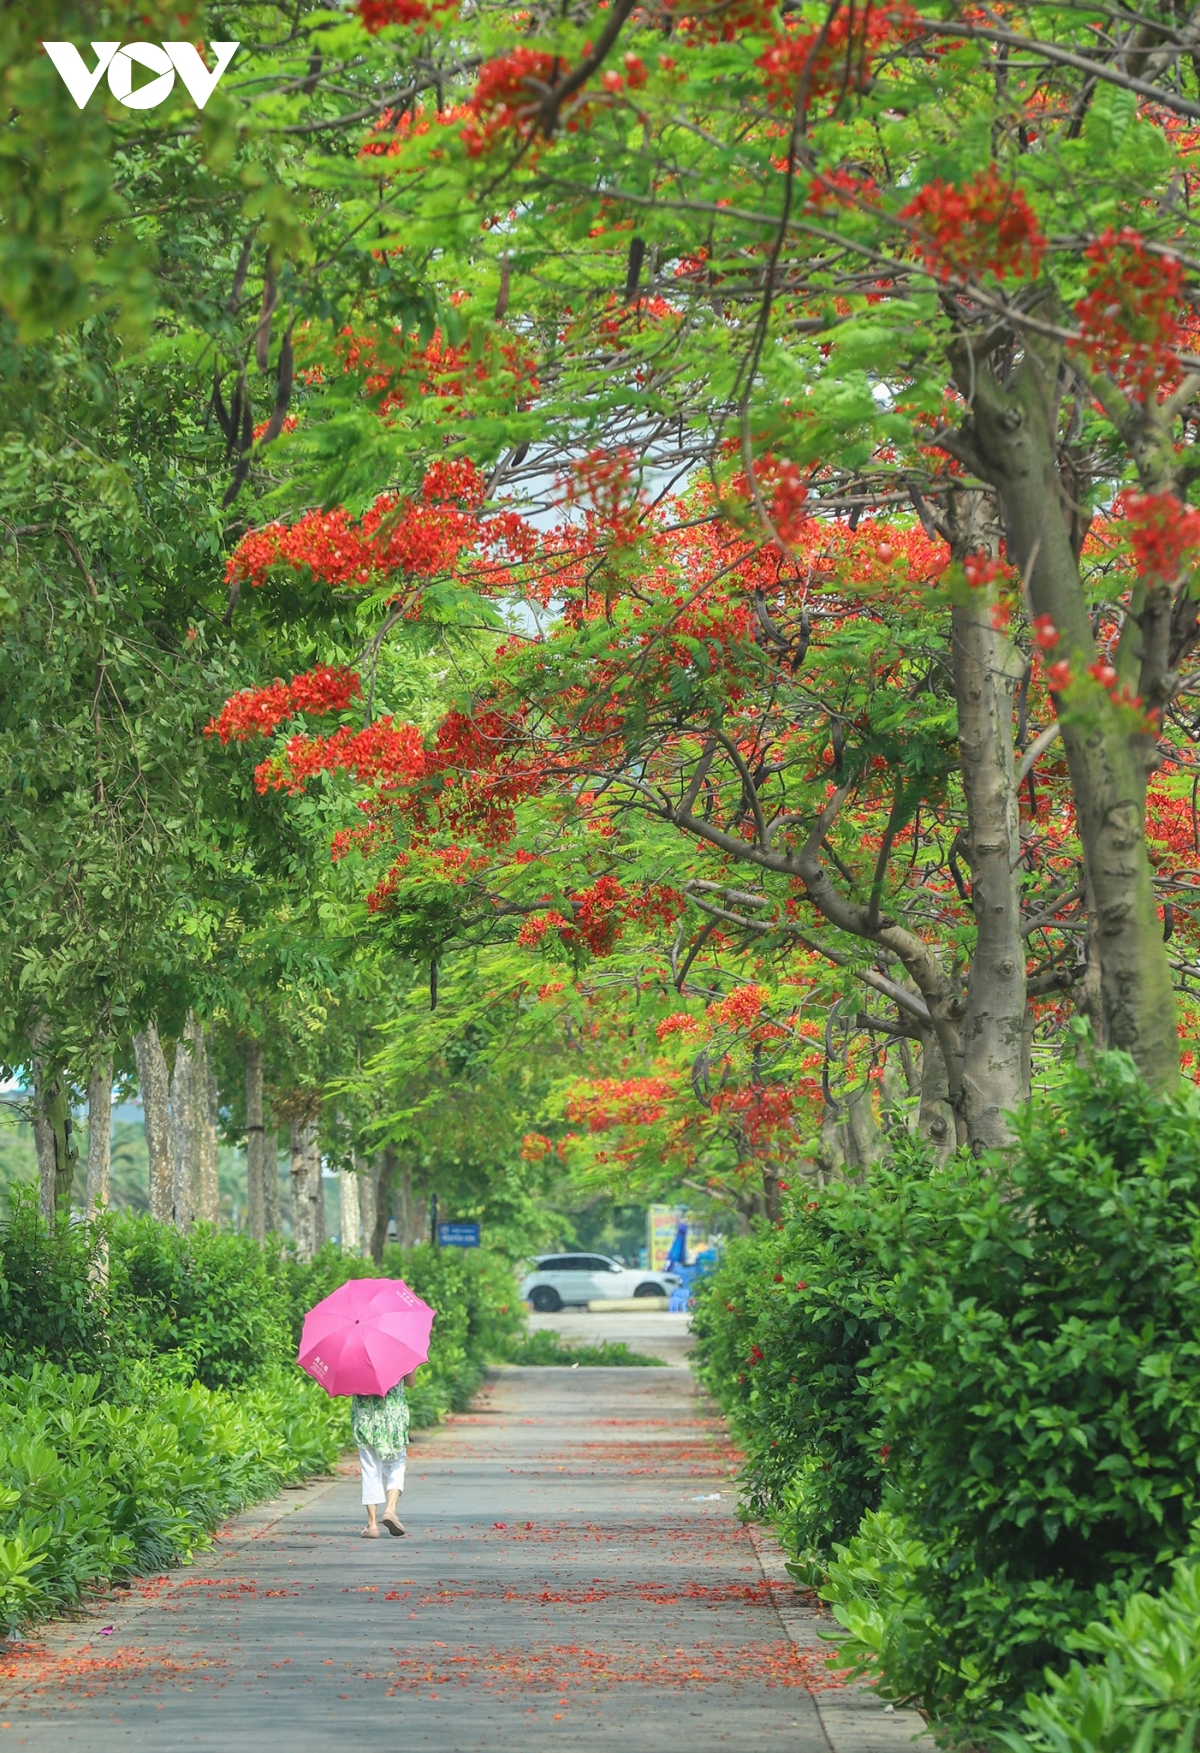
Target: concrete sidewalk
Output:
[(574, 1577)]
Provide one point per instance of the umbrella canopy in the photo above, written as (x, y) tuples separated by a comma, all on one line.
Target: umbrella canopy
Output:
[(365, 1336)]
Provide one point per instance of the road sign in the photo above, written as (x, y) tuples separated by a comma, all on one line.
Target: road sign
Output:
[(458, 1235)]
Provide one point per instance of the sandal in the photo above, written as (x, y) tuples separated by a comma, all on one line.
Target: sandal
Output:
[(370, 1533), (394, 1525)]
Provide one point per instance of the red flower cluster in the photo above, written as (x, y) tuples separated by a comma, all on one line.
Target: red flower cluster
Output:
[(610, 1101), (1045, 632), (454, 478), (418, 538), (1163, 534), (984, 227), (257, 711), (534, 1146), (843, 62), (722, 22), (378, 14), (784, 494), (741, 1009), (1129, 319), (980, 571), (598, 913), (396, 369), (383, 750), (507, 94), (678, 1023)]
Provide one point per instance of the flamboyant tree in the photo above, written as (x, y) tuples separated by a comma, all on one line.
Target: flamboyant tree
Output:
[(889, 251), (851, 346)]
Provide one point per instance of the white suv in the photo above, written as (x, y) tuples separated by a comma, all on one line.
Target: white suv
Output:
[(588, 1278)]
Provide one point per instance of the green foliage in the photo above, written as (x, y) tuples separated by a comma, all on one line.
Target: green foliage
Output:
[(95, 1487), (49, 1306), (785, 1327), (139, 1412), (547, 1348), (1003, 1357), (219, 1300), (1142, 1694)]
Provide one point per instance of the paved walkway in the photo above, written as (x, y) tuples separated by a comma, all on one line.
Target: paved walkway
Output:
[(574, 1578)]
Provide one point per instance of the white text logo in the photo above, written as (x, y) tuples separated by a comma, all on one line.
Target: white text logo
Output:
[(163, 59)]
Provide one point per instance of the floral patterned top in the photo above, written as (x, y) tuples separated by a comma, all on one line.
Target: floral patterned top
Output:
[(380, 1421)]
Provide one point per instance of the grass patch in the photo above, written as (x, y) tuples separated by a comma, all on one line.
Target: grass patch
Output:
[(546, 1347)]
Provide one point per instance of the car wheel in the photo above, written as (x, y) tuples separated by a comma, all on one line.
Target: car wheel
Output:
[(545, 1300), (649, 1290)]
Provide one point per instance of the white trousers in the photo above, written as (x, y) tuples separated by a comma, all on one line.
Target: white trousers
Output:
[(380, 1474)]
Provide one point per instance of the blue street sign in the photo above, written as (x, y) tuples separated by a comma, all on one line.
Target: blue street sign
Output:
[(458, 1235)]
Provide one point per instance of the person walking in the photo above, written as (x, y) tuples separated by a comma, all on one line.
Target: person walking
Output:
[(380, 1426)]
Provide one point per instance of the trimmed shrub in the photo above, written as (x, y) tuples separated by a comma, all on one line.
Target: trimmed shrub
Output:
[(49, 1307), (140, 1411), (1141, 1696), (93, 1489), (218, 1301), (1001, 1362), (787, 1327)]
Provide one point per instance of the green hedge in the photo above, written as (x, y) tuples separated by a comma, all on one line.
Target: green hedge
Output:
[(95, 1488), (148, 1387), (971, 1396)]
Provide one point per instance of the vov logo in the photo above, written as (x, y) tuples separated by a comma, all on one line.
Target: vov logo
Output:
[(163, 59)]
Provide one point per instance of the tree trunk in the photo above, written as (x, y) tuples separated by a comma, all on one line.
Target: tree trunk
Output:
[(185, 1075), (272, 1217), (987, 667), (208, 1119), (865, 1145), (831, 1151), (152, 1078), (56, 1152), (383, 1202), (402, 1203), (1010, 441), (308, 1195), (256, 1219), (349, 1186), (367, 1203), (99, 1155), (935, 1119)]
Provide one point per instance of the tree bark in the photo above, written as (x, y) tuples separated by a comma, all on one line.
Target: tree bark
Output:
[(1010, 441), (349, 1186), (99, 1155), (208, 1119), (256, 1218), (308, 1195), (935, 1118), (184, 1102), (987, 667), (153, 1081), (383, 1202), (367, 1203), (865, 1146), (404, 1207), (831, 1151), (53, 1142), (272, 1216)]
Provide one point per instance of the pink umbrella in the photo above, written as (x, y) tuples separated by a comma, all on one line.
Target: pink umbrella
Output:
[(365, 1336)]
